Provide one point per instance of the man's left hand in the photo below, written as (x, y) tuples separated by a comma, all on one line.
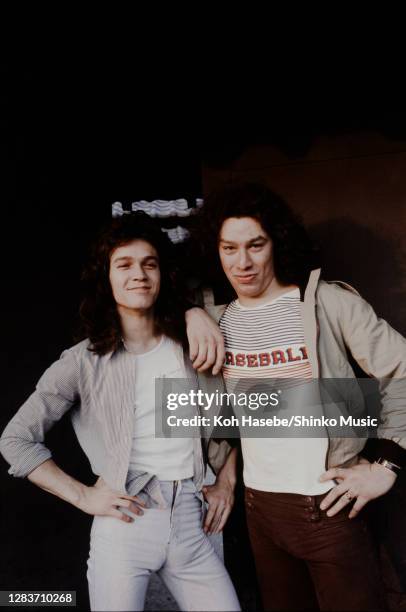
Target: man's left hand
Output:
[(362, 482), (220, 497)]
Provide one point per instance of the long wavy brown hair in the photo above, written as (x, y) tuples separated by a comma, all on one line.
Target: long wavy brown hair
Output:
[(99, 319), (294, 254)]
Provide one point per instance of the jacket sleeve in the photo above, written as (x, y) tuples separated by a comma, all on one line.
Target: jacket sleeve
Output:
[(381, 352), (22, 442), (218, 447)]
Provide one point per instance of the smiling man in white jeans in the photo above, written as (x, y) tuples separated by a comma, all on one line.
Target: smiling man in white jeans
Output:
[(147, 502)]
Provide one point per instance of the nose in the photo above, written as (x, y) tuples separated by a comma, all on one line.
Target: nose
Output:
[(244, 260), (138, 272)]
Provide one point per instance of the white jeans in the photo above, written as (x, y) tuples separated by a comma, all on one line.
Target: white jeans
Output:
[(169, 541)]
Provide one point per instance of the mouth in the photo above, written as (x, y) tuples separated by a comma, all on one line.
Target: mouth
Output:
[(139, 289), (246, 279)]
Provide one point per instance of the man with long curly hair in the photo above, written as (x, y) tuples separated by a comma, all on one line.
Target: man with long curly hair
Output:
[(304, 496), (147, 503)]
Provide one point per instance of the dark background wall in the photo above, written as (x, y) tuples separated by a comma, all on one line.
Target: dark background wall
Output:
[(72, 144)]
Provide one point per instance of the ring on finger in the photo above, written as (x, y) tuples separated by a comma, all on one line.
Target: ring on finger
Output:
[(349, 496)]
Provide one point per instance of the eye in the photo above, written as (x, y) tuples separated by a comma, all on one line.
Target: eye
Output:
[(256, 246), (151, 266), (123, 266), (228, 248)]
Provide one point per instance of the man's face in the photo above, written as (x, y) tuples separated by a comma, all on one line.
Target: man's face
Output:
[(245, 251), (135, 276)]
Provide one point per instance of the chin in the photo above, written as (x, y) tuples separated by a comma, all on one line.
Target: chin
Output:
[(141, 304), (248, 291)]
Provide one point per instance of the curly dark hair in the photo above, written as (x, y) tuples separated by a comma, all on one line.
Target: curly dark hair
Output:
[(293, 252), (100, 321)]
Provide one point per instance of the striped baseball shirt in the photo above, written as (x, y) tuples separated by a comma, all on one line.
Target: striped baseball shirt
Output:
[(265, 342)]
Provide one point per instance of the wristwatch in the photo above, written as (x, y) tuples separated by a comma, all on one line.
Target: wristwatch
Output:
[(389, 465)]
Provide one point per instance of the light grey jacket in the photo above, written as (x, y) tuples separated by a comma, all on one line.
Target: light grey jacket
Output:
[(335, 318), (99, 391)]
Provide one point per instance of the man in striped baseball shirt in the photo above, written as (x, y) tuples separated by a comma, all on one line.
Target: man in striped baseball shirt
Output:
[(303, 495)]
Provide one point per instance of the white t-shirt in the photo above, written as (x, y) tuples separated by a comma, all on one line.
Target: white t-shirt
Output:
[(166, 458), (267, 341)]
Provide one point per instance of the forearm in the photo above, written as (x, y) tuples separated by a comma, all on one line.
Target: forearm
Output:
[(51, 478), (98, 500), (228, 472), (220, 495)]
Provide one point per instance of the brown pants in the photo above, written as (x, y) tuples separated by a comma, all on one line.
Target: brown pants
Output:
[(306, 560)]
